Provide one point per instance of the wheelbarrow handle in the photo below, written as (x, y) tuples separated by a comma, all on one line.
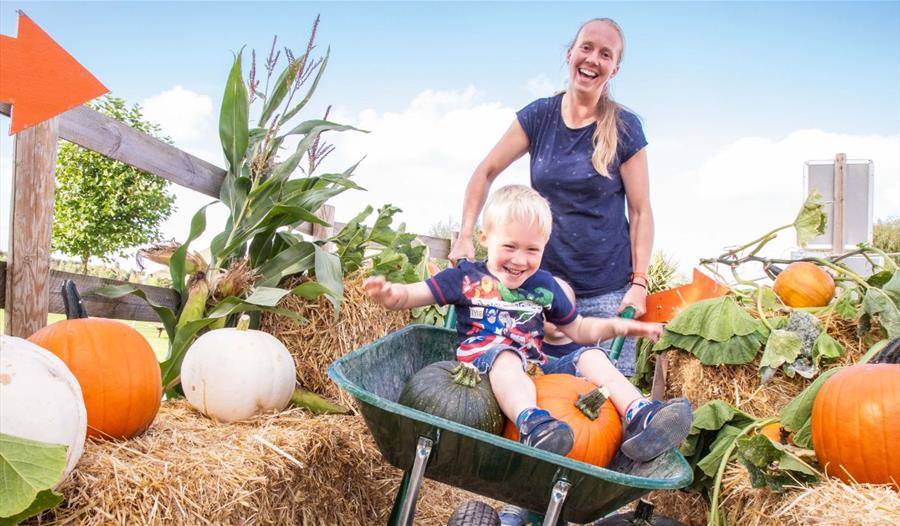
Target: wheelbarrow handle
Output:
[(619, 341)]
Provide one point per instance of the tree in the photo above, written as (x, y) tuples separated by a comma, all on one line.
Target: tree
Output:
[(886, 236), (103, 207)]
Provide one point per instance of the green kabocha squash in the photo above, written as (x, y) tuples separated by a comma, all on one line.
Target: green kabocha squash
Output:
[(455, 391)]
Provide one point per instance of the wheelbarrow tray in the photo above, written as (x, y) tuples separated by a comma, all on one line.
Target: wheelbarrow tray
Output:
[(480, 462)]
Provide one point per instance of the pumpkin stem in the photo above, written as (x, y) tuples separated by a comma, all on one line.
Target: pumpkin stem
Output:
[(466, 374), (590, 403), (243, 322), (72, 301)]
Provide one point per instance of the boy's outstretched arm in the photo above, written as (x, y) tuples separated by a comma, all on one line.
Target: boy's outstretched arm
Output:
[(396, 296), (589, 330)]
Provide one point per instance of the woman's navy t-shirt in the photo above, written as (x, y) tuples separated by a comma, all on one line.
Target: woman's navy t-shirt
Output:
[(590, 246)]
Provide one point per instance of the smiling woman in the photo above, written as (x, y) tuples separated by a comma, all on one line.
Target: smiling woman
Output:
[(588, 159)]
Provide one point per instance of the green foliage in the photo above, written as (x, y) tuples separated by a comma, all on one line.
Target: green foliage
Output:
[(797, 414), (884, 304), (28, 471), (886, 236), (717, 331), (103, 207), (266, 203), (769, 465), (811, 220)]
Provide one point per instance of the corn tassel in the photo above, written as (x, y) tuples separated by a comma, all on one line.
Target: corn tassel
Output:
[(195, 306)]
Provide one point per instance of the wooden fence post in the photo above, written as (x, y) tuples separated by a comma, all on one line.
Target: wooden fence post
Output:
[(837, 227), (31, 221)]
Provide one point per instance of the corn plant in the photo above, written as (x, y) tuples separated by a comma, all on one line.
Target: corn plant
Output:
[(258, 247)]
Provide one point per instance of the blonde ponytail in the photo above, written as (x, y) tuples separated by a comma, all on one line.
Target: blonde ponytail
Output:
[(606, 136)]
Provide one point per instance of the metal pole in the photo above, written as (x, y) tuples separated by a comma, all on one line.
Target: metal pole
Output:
[(417, 474), (557, 497)]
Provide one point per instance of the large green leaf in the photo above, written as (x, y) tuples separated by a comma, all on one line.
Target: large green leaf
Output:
[(782, 347), (734, 351), (329, 274), (176, 262), (166, 315), (27, 468), (292, 260), (885, 304), (769, 465), (234, 118), (44, 501), (716, 319), (274, 217), (798, 412), (811, 220)]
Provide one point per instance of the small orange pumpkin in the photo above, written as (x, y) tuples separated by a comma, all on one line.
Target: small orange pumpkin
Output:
[(804, 284), (579, 403), (856, 424), (778, 434), (116, 367)]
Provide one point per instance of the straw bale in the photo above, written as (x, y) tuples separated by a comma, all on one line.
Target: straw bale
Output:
[(316, 344), (739, 384), (829, 502), (290, 468)]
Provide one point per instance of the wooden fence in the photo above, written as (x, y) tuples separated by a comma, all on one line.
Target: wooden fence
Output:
[(28, 288)]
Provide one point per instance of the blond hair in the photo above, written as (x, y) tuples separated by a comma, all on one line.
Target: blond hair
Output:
[(606, 135), (518, 203)]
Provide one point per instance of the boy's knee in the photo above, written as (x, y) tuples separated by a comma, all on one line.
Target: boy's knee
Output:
[(592, 355)]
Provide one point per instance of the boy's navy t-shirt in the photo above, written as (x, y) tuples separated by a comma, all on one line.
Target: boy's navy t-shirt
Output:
[(590, 245), (489, 314)]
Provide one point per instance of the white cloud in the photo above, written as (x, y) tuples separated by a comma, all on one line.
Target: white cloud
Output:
[(753, 185), (421, 157), (541, 86), (188, 118)]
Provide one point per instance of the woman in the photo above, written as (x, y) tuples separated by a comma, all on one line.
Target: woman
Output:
[(588, 159)]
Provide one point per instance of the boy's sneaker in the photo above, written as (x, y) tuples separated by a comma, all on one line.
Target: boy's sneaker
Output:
[(513, 515), (656, 428), (542, 431)]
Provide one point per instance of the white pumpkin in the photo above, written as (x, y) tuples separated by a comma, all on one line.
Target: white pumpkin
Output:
[(40, 398), (234, 373)]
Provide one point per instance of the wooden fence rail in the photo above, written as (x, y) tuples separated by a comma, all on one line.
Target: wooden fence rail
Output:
[(28, 288)]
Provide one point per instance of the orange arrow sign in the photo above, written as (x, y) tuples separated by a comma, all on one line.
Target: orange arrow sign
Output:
[(39, 78)]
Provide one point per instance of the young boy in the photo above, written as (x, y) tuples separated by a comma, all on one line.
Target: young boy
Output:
[(501, 308)]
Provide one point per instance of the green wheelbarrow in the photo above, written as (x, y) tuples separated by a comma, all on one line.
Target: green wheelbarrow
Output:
[(424, 445)]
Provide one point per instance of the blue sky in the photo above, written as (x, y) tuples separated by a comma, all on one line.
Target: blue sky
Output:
[(734, 95)]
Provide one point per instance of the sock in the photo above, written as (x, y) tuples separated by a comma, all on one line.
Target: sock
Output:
[(634, 407), (523, 416)]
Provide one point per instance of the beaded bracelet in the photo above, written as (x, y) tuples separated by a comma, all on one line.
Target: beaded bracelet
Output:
[(642, 275)]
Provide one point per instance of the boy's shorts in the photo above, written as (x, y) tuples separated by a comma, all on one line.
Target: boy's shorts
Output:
[(564, 365)]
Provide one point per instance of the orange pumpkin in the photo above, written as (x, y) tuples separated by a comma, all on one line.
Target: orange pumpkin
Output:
[(597, 437), (117, 370), (778, 434), (856, 424), (804, 284)]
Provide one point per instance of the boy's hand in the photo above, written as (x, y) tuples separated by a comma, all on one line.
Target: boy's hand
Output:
[(624, 327), (391, 295)]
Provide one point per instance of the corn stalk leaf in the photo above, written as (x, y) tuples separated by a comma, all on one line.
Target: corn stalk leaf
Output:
[(274, 217), (330, 275), (176, 262), (292, 260), (166, 315), (234, 118)]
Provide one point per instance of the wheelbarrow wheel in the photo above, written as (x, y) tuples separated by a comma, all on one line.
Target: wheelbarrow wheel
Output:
[(474, 513)]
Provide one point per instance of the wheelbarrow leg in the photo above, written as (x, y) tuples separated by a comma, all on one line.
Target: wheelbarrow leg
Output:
[(557, 497), (405, 503)]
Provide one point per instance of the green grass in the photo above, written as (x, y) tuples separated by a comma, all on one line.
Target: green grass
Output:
[(157, 339)]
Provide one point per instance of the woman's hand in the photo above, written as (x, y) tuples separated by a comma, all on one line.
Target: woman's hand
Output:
[(635, 297), (464, 248)]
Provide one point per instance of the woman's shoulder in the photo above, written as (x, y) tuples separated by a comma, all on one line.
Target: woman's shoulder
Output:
[(629, 117), (543, 104)]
